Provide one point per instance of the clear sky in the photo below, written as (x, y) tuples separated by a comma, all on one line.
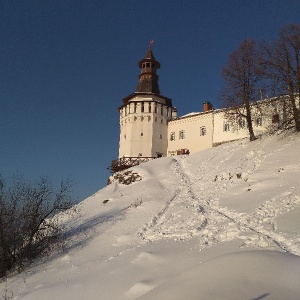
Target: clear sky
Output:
[(65, 66)]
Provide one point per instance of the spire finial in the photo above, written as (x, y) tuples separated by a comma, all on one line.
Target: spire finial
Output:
[(151, 43)]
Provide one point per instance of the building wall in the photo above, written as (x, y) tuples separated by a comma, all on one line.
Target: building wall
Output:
[(191, 132), (156, 131), (143, 126), (225, 131)]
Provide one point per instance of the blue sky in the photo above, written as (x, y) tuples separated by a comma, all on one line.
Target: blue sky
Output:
[(66, 65)]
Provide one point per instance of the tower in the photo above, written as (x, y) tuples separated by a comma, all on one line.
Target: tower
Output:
[(144, 114)]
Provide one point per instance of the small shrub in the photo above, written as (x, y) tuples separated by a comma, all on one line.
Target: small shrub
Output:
[(125, 177)]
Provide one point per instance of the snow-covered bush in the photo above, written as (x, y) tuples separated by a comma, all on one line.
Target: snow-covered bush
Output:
[(124, 177)]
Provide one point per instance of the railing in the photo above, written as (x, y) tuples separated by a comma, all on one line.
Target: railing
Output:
[(124, 163)]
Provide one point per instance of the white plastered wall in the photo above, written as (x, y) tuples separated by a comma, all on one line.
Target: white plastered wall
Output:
[(192, 140), (144, 132)]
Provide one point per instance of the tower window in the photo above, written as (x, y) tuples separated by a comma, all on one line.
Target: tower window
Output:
[(135, 107), (161, 110), (142, 107), (155, 108), (149, 107), (181, 134), (148, 65), (142, 133)]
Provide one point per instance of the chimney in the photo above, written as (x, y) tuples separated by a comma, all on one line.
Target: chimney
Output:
[(207, 106)]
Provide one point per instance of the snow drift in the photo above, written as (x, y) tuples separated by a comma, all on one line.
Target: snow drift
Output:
[(220, 224)]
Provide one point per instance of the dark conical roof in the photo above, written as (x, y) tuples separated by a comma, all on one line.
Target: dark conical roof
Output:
[(148, 85), (148, 80), (149, 57)]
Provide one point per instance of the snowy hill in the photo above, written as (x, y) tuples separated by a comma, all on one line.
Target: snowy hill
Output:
[(220, 224)]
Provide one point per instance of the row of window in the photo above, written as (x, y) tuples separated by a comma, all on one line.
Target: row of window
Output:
[(242, 124), (181, 134), (142, 134), (148, 118), (145, 107), (226, 127)]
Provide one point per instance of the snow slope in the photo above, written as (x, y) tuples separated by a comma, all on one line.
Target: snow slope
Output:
[(220, 224)]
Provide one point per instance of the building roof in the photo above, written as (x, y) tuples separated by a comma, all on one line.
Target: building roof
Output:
[(150, 58), (148, 80)]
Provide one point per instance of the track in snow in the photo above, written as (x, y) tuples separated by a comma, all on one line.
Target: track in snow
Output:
[(194, 211)]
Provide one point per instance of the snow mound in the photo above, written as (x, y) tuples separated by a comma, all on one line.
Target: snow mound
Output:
[(242, 275)]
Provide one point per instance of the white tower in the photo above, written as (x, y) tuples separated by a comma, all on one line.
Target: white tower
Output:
[(144, 115)]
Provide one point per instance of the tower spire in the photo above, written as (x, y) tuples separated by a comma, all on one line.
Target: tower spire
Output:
[(151, 43), (148, 79)]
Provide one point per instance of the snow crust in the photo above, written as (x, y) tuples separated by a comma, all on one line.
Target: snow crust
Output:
[(220, 224)]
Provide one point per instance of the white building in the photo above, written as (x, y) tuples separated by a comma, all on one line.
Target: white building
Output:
[(149, 126)]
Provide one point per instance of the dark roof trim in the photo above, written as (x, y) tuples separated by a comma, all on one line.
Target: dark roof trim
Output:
[(126, 99)]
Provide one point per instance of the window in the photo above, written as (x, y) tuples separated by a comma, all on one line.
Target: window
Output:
[(135, 107), (172, 136), (258, 121), (125, 136), (142, 133), (142, 119), (275, 118), (160, 136), (202, 130), (155, 108), (149, 107), (242, 123), (161, 109), (142, 107), (181, 134), (226, 127)]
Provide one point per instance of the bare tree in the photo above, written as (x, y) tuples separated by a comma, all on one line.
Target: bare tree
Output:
[(282, 59), (29, 222), (243, 76)]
